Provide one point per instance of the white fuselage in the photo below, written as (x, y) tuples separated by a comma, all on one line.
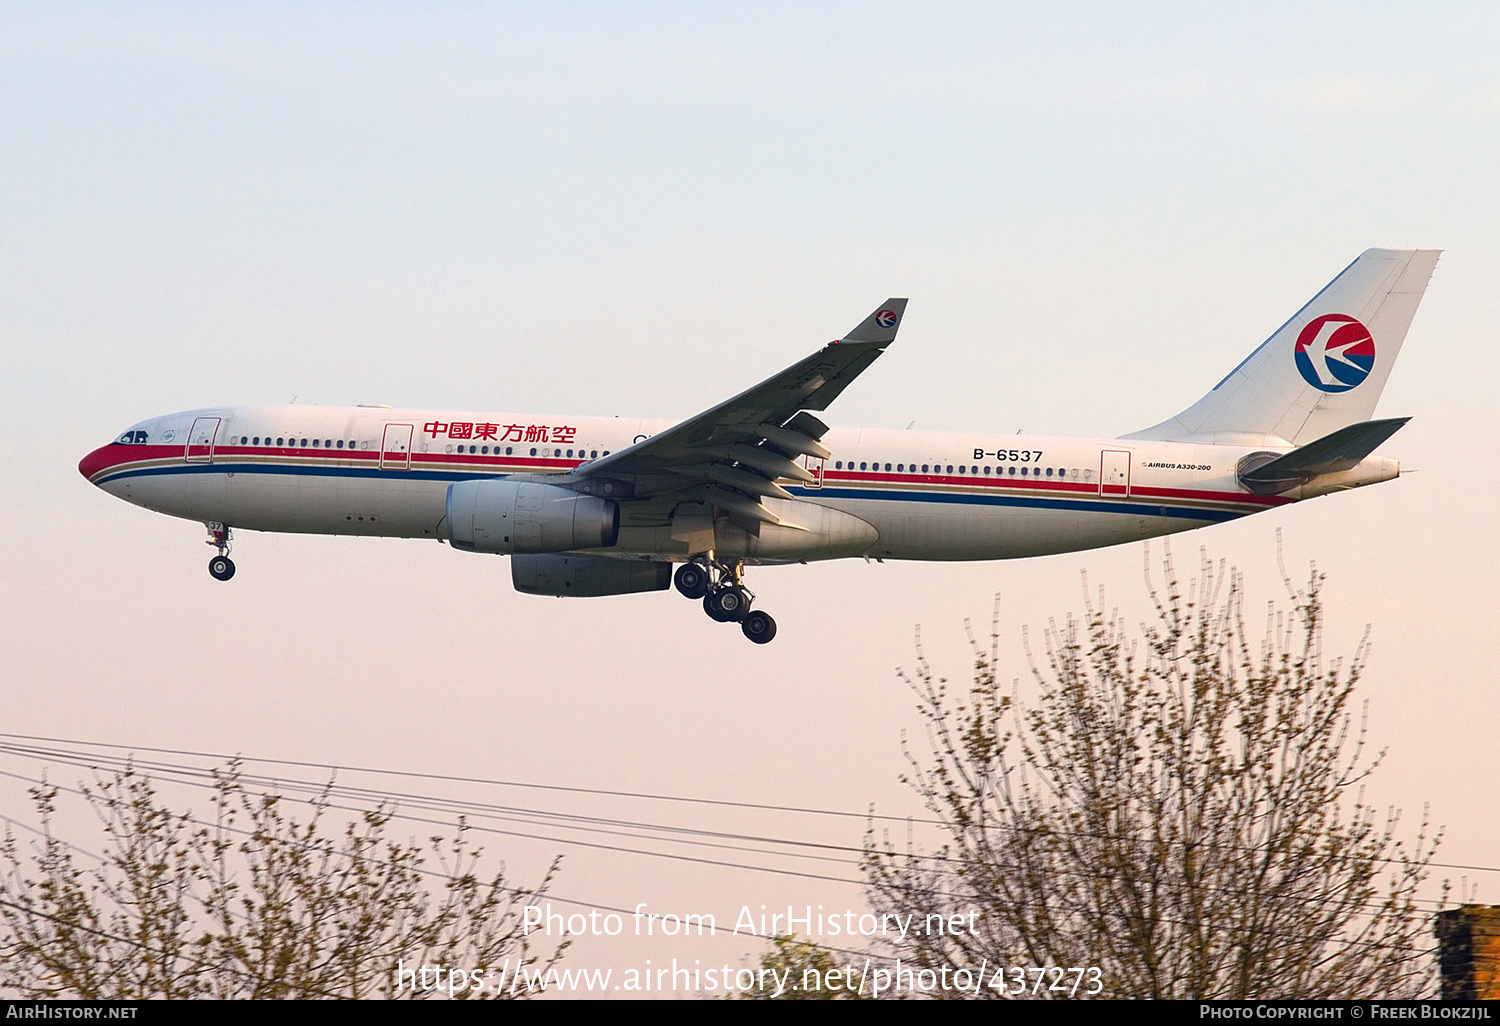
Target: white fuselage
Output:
[(927, 495)]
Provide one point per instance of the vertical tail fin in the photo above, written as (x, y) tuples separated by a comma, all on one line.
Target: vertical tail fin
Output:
[(1320, 371)]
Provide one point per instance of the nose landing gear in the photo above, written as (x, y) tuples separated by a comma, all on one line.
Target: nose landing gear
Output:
[(725, 598), (221, 567)]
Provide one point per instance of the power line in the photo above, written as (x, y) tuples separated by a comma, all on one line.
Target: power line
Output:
[(862, 852), (483, 808), (194, 776), (478, 780)]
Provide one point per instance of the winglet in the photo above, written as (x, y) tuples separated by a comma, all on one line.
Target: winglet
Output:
[(881, 325)]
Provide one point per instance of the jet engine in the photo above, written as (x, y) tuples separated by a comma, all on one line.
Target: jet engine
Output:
[(508, 517), (587, 576)]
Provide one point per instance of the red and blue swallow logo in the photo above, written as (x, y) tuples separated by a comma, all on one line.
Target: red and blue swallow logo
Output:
[(1335, 353), (886, 318)]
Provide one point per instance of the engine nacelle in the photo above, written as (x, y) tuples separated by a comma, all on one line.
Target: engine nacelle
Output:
[(587, 576), (507, 517)]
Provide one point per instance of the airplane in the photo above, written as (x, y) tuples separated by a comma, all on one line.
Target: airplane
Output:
[(592, 506)]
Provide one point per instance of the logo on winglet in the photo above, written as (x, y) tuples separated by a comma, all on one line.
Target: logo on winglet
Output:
[(886, 318), (1335, 353)]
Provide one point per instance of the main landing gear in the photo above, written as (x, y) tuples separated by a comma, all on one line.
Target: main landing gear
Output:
[(725, 598), (221, 567)]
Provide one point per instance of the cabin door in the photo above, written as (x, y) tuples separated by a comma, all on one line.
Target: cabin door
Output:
[(814, 466), (395, 447), (200, 440), (1114, 473)]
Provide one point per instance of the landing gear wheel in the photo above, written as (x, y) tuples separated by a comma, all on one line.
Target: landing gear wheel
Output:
[(221, 568), (727, 605), (692, 580), (759, 627)]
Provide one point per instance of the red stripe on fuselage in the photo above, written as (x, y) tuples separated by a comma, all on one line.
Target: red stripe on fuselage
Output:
[(109, 457)]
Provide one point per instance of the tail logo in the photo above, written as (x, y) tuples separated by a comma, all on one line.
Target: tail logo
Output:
[(885, 318), (1335, 353)]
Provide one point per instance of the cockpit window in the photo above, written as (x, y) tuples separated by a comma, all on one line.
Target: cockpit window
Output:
[(132, 438)]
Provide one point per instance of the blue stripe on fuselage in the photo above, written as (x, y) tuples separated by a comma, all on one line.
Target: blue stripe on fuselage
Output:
[(1137, 508), (1031, 502)]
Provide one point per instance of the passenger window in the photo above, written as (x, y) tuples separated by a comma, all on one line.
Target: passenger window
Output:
[(315, 443), (533, 452), (950, 468), (986, 468), (281, 441), (508, 450), (962, 469), (924, 468)]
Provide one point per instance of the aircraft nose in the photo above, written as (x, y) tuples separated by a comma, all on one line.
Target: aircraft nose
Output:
[(95, 461)]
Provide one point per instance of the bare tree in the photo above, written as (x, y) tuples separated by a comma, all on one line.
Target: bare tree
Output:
[(803, 970), (1182, 809), (253, 905)]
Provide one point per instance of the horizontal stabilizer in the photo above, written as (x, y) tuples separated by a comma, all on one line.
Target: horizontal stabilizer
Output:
[(1334, 453)]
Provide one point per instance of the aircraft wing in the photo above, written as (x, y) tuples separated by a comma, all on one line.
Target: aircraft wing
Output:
[(741, 446)]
